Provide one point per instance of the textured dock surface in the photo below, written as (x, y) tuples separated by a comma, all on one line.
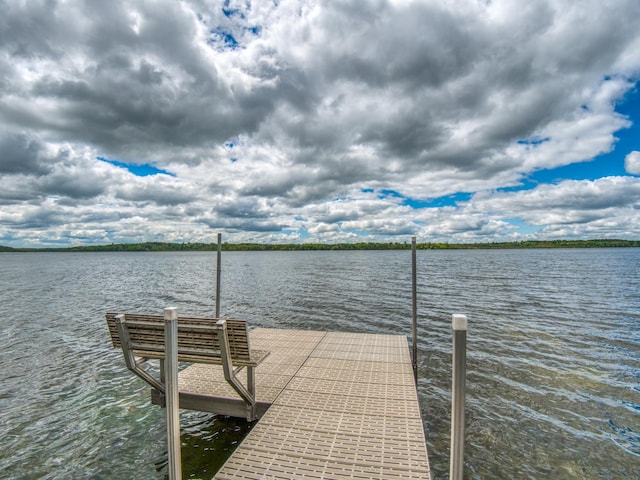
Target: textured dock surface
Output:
[(344, 406)]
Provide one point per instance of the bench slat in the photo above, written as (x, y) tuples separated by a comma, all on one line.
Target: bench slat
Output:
[(197, 339)]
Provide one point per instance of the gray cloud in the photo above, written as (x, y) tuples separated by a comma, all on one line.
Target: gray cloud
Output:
[(21, 154), (289, 121)]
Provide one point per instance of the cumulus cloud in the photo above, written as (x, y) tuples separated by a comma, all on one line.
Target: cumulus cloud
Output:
[(292, 121), (632, 163)]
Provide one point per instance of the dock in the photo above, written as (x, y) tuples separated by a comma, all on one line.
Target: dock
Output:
[(336, 406), (328, 405)]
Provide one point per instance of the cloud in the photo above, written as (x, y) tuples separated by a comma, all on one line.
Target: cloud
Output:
[(577, 208), (288, 120), (21, 154), (632, 163)]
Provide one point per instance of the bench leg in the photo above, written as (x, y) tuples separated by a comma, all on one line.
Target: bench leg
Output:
[(130, 358), (248, 395), (251, 386)]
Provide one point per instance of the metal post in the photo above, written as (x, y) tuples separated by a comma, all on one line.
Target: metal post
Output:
[(414, 314), (459, 324), (172, 399), (218, 270)]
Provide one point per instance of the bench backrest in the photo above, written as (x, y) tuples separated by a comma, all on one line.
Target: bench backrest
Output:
[(198, 339)]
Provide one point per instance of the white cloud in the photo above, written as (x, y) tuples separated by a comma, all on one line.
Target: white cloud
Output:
[(632, 163)]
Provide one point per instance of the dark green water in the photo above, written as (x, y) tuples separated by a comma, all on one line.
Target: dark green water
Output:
[(553, 353)]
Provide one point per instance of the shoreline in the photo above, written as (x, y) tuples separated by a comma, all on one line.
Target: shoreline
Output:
[(230, 247)]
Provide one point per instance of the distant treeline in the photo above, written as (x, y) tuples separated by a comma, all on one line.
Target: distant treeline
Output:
[(229, 247)]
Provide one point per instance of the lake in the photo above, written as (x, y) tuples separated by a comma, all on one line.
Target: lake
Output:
[(553, 384)]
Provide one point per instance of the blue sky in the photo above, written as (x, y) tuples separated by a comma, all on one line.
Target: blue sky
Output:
[(296, 121), (137, 169)]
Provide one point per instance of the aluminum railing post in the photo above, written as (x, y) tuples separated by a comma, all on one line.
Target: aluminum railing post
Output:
[(459, 324), (172, 397)]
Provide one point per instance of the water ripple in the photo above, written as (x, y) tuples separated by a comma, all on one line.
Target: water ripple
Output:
[(553, 353)]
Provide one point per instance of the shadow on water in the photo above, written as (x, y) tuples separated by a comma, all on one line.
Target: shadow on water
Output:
[(207, 441)]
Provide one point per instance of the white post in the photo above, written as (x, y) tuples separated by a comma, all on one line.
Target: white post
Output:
[(459, 324), (414, 310), (172, 398), (218, 270)]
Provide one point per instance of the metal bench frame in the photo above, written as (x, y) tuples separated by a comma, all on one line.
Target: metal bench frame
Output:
[(213, 341)]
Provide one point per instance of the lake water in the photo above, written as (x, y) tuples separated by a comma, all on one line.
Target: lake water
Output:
[(553, 385)]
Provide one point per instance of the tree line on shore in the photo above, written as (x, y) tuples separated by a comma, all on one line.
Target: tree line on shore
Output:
[(230, 247)]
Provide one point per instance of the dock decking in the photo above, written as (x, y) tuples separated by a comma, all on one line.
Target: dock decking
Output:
[(343, 406)]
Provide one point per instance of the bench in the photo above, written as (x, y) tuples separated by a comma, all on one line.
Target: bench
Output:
[(213, 341)]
